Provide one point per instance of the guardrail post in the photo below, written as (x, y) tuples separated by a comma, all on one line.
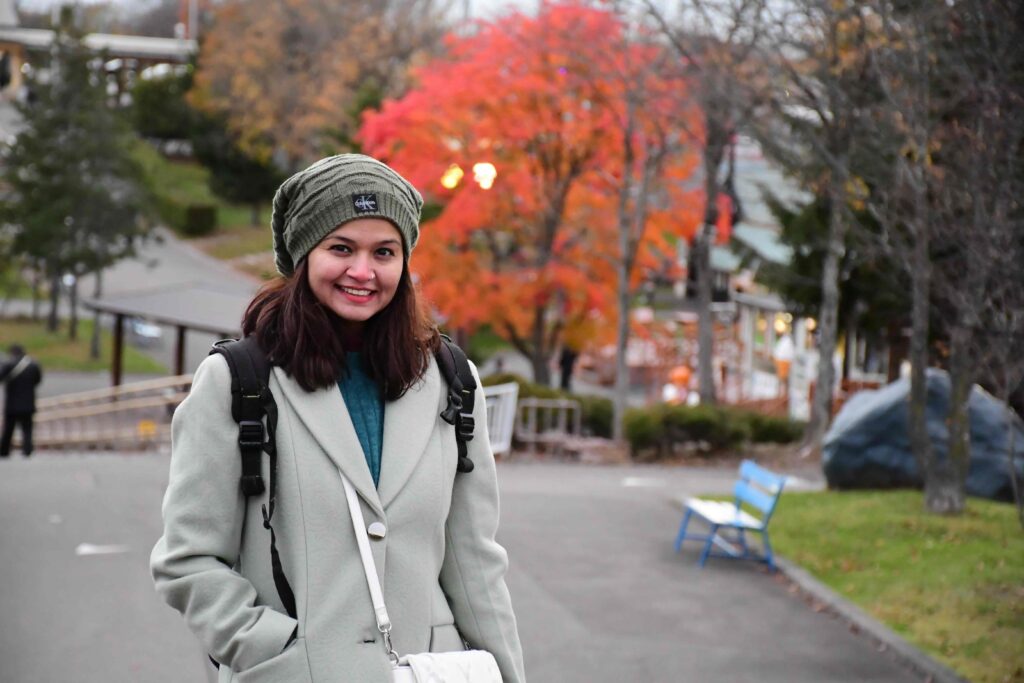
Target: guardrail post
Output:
[(179, 352), (117, 364)]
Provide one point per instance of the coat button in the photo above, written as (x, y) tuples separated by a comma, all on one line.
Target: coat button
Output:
[(377, 530)]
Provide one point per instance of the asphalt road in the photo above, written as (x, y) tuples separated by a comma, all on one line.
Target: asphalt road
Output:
[(599, 593)]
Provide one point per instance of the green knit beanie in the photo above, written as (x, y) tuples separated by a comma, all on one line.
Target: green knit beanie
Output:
[(313, 203)]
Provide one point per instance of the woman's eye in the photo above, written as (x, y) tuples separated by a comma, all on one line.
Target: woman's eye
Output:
[(385, 251), (340, 248)]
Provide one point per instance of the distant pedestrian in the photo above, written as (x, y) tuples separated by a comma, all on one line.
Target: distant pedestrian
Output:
[(566, 362), (20, 375), (358, 394)]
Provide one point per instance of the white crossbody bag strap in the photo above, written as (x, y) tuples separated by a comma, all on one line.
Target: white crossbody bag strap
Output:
[(478, 666), (369, 566)]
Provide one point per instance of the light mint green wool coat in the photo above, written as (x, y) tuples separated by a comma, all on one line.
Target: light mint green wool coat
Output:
[(442, 571)]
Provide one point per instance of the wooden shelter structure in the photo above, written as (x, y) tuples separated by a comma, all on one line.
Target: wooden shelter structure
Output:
[(18, 45), (191, 306)]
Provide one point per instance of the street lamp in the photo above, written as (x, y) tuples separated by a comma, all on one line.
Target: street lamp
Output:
[(452, 177), (484, 173)]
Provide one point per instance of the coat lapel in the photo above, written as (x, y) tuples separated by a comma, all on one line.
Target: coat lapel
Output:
[(325, 416), (408, 424)]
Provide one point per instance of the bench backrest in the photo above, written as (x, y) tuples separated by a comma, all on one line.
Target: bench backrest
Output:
[(758, 488)]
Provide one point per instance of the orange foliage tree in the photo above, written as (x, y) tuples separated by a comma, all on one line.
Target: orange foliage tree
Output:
[(543, 100)]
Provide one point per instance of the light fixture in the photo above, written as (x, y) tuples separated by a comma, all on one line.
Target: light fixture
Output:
[(451, 178)]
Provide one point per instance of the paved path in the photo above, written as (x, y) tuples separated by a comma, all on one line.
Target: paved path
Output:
[(600, 596)]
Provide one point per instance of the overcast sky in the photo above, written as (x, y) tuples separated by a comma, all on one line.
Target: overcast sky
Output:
[(482, 8)]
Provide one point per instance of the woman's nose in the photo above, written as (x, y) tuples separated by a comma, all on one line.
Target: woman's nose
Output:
[(361, 269)]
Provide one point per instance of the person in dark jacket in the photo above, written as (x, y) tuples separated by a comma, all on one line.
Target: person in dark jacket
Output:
[(20, 375)]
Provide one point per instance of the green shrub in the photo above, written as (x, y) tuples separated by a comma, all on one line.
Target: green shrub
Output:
[(770, 429), (527, 389), (720, 428), (686, 423), (663, 427), (200, 219), (716, 428), (644, 429), (597, 415), (503, 378), (171, 212), (732, 431)]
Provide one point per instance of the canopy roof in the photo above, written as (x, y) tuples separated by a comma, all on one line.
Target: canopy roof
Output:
[(195, 306), (138, 47)]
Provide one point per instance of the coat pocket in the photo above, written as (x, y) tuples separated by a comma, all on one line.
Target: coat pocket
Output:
[(445, 638), (292, 665)]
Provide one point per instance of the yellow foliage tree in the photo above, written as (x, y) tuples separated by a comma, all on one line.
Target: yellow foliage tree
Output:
[(291, 76)]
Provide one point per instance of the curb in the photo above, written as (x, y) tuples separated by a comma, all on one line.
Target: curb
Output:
[(887, 640)]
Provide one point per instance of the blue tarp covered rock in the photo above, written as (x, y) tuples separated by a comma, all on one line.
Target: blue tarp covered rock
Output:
[(868, 445)]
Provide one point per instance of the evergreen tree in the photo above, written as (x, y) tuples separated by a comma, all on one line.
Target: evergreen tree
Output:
[(872, 289), (234, 175), (74, 204)]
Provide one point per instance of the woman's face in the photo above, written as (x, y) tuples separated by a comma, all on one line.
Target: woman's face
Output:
[(355, 270)]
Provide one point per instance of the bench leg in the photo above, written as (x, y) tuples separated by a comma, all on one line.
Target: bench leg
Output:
[(769, 558), (712, 532), (682, 529), (743, 542)]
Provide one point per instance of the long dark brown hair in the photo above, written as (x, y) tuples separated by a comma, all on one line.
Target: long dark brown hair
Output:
[(307, 339)]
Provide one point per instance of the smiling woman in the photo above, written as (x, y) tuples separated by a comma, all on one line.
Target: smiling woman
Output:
[(358, 392)]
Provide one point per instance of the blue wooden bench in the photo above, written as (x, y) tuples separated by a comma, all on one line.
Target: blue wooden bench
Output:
[(758, 490)]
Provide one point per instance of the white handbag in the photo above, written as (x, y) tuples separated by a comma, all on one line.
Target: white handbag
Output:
[(468, 666)]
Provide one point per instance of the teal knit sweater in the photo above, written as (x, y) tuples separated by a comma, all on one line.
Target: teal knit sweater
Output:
[(366, 407)]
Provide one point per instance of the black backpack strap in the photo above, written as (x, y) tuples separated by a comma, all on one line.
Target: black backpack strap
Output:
[(251, 401), (250, 375), (455, 369)]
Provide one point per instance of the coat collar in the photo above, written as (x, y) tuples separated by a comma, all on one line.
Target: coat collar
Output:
[(408, 423)]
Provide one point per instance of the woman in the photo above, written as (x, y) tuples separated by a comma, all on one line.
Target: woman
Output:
[(357, 390)]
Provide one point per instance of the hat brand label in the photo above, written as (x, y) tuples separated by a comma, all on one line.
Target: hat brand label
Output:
[(364, 203)]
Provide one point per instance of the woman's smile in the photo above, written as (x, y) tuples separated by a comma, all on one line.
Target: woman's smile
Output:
[(356, 294)]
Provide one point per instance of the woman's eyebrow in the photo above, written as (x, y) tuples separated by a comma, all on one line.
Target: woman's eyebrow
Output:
[(349, 240)]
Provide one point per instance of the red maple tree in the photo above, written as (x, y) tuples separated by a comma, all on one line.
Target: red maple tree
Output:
[(543, 100)]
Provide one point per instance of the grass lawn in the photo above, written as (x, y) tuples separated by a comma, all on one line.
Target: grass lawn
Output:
[(54, 351), (188, 183), (240, 239), (953, 586)]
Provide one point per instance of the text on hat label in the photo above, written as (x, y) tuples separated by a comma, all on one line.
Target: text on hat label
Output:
[(364, 203)]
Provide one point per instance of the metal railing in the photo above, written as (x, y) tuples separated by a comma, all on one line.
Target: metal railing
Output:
[(548, 422), (138, 416), (130, 416)]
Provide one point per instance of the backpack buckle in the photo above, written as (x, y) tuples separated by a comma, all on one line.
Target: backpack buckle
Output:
[(465, 426), (250, 434), (451, 413)]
